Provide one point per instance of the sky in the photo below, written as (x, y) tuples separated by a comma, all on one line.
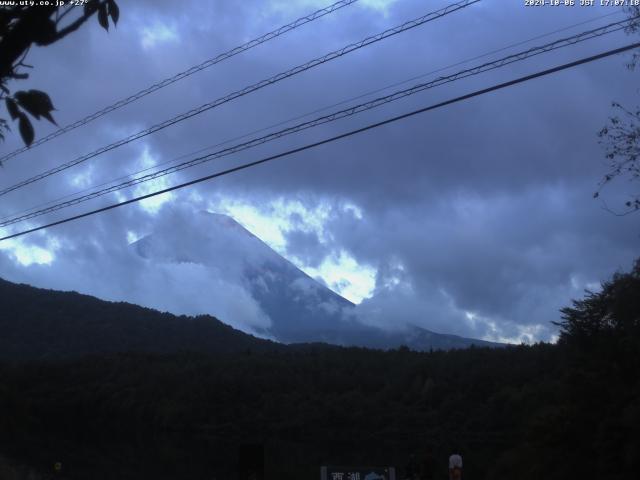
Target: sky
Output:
[(476, 219)]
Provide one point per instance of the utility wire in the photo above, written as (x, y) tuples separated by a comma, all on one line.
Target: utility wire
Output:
[(252, 88), (337, 137), (299, 117), (516, 57), (184, 74), (322, 109)]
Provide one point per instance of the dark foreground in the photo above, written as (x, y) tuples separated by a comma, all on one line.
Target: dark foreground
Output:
[(570, 410), (517, 412)]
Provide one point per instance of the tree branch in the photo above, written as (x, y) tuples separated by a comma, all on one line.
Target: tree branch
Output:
[(72, 27)]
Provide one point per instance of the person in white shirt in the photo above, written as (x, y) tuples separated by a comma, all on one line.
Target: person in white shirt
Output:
[(455, 467)]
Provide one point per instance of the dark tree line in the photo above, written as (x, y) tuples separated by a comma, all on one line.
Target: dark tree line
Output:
[(570, 410)]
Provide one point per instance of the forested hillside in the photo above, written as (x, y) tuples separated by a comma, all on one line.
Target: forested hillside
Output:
[(47, 324), (570, 410), (40, 324)]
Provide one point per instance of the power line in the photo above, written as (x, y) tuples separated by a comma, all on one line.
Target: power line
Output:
[(184, 74), (252, 88), (337, 137), (298, 117), (616, 26), (516, 57), (462, 62)]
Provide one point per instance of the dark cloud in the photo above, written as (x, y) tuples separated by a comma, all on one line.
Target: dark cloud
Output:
[(483, 207), (307, 247)]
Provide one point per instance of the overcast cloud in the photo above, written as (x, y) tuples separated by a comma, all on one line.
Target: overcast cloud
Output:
[(476, 219)]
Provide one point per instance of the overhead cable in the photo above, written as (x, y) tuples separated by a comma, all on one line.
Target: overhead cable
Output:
[(334, 138), (356, 109), (308, 114), (184, 74), (245, 91)]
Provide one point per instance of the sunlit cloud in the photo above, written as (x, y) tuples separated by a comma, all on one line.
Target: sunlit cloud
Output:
[(271, 223), (523, 334), (158, 34), (345, 276), (84, 179), (154, 204), (26, 254)]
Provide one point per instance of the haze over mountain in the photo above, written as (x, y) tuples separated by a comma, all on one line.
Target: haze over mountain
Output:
[(264, 293), (298, 308)]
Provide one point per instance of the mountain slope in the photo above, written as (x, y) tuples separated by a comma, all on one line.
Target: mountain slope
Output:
[(37, 323), (40, 324), (300, 308)]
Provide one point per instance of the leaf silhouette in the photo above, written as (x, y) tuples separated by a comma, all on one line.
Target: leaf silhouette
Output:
[(12, 108), (37, 103), (26, 129), (114, 11), (103, 17)]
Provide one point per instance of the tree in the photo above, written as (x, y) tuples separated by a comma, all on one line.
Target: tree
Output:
[(613, 312), (23, 26), (621, 136)]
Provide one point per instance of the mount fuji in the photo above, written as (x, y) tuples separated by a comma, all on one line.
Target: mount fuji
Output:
[(299, 308)]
